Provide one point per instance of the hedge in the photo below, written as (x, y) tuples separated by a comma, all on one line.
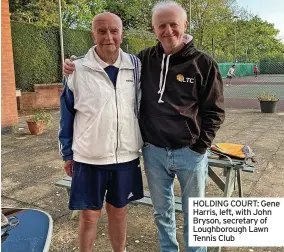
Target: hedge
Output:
[(76, 42), (135, 45), (37, 53)]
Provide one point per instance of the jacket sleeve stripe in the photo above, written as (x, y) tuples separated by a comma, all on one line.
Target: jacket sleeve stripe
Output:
[(136, 82), (67, 115)]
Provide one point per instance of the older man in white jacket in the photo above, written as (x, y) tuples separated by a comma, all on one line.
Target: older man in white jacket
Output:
[(99, 133)]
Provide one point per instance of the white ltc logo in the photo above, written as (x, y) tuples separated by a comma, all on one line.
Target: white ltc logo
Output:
[(180, 78)]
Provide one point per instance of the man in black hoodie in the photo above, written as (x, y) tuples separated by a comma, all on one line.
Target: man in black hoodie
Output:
[(182, 108)]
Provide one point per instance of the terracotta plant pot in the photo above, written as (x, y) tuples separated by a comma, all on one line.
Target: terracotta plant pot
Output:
[(36, 128)]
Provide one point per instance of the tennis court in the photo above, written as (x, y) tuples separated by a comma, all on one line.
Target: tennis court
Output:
[(244, 90), (276, 79)]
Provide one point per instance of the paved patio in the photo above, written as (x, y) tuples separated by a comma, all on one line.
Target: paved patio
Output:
[(31, 165)]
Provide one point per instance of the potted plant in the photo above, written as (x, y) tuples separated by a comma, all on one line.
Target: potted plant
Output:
[(38, 121), (268, 102)]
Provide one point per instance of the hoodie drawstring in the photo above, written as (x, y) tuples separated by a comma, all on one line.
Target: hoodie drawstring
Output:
[(162, 86), (161, 74)]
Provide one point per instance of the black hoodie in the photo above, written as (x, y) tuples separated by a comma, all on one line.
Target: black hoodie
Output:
[(182, 98)]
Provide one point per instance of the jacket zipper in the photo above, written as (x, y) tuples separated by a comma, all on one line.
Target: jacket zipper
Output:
[(116, 125), (116, 149)]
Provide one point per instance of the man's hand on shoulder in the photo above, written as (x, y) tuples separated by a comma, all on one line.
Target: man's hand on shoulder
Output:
[(68, 167), (69, 66)]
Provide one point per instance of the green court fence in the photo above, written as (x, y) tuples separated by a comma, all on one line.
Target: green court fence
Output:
[(267, 67), (246, 69), (242, 69)]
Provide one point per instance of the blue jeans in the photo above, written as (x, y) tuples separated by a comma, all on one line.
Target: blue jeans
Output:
[(161, 165)]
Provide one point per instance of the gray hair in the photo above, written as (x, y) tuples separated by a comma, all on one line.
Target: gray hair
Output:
[(106, 13), (168, 4)]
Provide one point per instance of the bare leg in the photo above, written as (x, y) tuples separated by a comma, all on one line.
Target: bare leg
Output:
[(88, 229), (117, 227)]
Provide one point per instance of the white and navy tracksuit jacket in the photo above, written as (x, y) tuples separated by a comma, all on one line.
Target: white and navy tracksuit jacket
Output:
[(99, 110)]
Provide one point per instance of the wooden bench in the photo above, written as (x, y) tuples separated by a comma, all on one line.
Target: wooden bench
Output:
[(231, 171)]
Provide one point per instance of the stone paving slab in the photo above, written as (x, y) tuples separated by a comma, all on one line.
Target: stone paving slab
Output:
[(31, 165)]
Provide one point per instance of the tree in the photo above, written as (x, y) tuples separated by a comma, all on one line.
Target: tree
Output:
[(76, 13), (255, 39), (20, 10), (79, 14), (132, 12), (211, 21)]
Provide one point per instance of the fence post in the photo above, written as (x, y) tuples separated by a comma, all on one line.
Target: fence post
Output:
[(61, 34)]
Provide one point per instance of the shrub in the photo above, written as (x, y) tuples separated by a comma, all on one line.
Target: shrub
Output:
[(267, 97), (41, 115), (37, 53)]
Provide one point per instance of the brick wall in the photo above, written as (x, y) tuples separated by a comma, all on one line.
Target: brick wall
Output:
[(27, 101), (9, 114), (45, 96)]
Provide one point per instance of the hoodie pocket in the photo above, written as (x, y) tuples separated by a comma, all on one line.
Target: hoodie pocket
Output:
[(187, 131), (171, 131)]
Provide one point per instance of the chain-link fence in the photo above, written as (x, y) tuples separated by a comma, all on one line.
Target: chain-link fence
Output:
[(250, 81)]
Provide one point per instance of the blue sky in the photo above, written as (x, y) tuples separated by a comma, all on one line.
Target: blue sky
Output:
[(270, 10)]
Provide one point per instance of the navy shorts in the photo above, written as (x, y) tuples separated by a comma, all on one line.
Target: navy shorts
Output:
[(118, 184)]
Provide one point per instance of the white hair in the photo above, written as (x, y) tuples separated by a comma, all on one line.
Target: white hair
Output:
[(106, 13), (167, 5)]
